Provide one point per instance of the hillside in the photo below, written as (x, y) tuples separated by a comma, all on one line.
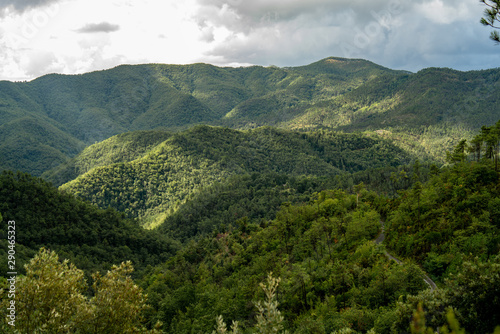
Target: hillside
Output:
[(47, 121), (237, 206), (80, 110), (334, 277), (91, 238), (154, 185), (120, 148)]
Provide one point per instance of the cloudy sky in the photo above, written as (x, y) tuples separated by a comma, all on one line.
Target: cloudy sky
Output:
[(76, 36)]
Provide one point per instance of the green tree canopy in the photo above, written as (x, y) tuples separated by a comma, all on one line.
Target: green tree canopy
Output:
[(51, 299)]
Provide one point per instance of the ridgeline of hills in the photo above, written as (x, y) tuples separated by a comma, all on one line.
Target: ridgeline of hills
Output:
[(92, 238), (212, 158), (150, 174), (45, 122)]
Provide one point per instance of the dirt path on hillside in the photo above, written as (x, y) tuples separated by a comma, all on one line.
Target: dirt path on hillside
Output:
[(381, 237)]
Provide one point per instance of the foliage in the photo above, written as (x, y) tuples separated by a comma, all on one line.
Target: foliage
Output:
[(91, 238), (50, 299), (121, 148), (418, 323), (332, 274), (491, 17), (334, 278), (46, 122), (118, 303), (456, 217), (154, 186), (221, 327), (269, 318)]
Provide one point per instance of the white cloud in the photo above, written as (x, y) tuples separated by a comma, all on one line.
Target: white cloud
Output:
[(445, 12), (41, 36)]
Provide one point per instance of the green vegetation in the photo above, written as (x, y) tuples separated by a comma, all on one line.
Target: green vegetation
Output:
[(203, 268), (456, 214), (50, 299), (334, 277), (492, 17), (155, 185), (189, 150), (91, 238), (125, 147), (47, 121), (332, 273)]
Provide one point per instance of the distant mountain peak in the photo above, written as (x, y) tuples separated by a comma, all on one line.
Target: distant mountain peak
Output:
[(332, 93)]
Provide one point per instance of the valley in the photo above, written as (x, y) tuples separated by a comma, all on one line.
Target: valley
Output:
[(232, 188)]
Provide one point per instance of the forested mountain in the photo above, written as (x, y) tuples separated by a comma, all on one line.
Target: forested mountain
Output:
[(319, 176), (153, 182), (335, 278), (91, 238), (45, 122)]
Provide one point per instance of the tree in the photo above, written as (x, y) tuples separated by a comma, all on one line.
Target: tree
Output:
[(269, 318), (118, 303), (417, 192), (474, 293), (458, 154), (221, 327), (492, 17), (50, 299)]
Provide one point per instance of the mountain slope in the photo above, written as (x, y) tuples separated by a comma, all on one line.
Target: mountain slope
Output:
[(92, 107), (93, 239), (153, 186), (120, 148), (425, 112)]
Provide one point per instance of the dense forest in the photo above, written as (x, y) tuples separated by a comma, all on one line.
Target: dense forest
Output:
[(93, 239), (154, 183), (46, 122), (270, 251), (337, 197)]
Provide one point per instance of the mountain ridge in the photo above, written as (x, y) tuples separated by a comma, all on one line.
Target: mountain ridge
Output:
[(151, 184), (333, 93)]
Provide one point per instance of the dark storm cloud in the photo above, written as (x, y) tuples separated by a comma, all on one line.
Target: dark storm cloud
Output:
[(293, 32), (395, 33), (242, 16), (103, 27)]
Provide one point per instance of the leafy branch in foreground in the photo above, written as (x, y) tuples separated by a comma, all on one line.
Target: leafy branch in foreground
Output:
[(50, 299), (269, 319), (418, 325), (492, 17)]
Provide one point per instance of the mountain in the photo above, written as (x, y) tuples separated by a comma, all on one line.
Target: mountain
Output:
[(155, 177), (334, 277), (91, 238), (233, 206), (47, 121)]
